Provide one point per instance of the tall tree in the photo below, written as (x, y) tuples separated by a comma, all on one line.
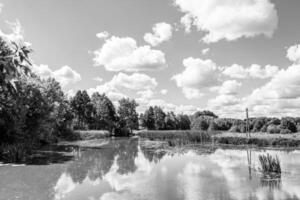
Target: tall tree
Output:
[(148, 120), (105, 113), (159, 118), (127, 114), (82, 107)]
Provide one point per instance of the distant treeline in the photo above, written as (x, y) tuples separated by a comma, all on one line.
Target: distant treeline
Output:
[(284, 125)]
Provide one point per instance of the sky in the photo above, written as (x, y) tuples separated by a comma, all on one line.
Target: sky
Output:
[(182, 55)]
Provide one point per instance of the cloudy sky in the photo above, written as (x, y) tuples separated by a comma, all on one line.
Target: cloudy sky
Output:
[(183, 55)]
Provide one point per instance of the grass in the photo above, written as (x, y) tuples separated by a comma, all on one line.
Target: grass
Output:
[(176, 137), (269, 164), (91, 134), (15, 153), (259, 139)]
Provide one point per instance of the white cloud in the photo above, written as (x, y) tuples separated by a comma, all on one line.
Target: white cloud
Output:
[(229, 19), (146, 94), (198, 74), (164, 91), (285, 84), (134, 81), (161, 32), (192, 93), (98, 79), (229, 87), (254, 71), (123, 54), (121, 83), (102, 35), (64, 75), (293, 53), (235, 71), (223, 100), (205, 51)]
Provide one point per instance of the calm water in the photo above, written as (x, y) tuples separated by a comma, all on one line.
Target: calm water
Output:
[(122, 169)]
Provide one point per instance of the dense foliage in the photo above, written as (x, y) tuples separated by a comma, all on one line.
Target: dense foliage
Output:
[(155, 118)]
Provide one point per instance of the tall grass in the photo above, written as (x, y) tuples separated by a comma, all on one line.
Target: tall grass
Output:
[(175, 137), (269, 164), (15, 153)]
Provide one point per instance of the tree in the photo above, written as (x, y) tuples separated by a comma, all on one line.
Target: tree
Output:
[(83, 108), (184, 122), (171, 122), (128, 117), (200, 124), (148, 119), (288, 123), (105, 113), (204, 113), (159, 118), (14, 62)]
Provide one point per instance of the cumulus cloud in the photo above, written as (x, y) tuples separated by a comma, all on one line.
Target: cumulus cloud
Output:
[(205, 51), (102, 35), (229, 19), (161, 32), (164, 91), (223, 100), (123, 54), (278, 97), (285, 84), (293, 53), (229, 87), (64, 75), (146, 94), (98, 79), (254, 71), (115, 88), (198, 74)]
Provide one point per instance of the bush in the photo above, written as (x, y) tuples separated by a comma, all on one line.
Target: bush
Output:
[(273, 129), (289, 124), (200, 124), (15, 153), (285, 131)]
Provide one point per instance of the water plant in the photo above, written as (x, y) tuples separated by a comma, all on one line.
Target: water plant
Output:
[(14, 153), (269, 164)]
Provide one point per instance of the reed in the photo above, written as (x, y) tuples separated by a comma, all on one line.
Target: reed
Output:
[(175, 137), (269, 164), (15, 153)]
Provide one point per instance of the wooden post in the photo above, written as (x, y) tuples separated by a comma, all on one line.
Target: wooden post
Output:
[(247, 121)]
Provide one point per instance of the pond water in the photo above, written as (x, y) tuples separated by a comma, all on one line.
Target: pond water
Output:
[(131, 169)]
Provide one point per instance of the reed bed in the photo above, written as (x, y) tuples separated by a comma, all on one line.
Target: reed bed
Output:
[(174, 137), (269, 164), (15, 153)]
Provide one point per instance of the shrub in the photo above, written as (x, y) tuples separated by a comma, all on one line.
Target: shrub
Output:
[(288, 123), (200, 124), (285, 131), (273, 129), (15, 153)]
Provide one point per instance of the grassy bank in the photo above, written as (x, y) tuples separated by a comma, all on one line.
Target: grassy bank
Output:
[(175, 137), (258, 139), (189, 136), (91, 134)]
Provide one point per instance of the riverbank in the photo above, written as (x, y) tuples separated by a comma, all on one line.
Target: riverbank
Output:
[(227, 138), (258, 139)]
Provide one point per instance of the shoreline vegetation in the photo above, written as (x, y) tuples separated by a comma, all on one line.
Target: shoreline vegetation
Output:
[(35, 112)]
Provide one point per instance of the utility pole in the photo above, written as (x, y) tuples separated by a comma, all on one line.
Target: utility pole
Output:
[(247, 121)]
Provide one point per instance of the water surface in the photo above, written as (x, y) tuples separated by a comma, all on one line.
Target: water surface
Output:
[(129, 169)]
